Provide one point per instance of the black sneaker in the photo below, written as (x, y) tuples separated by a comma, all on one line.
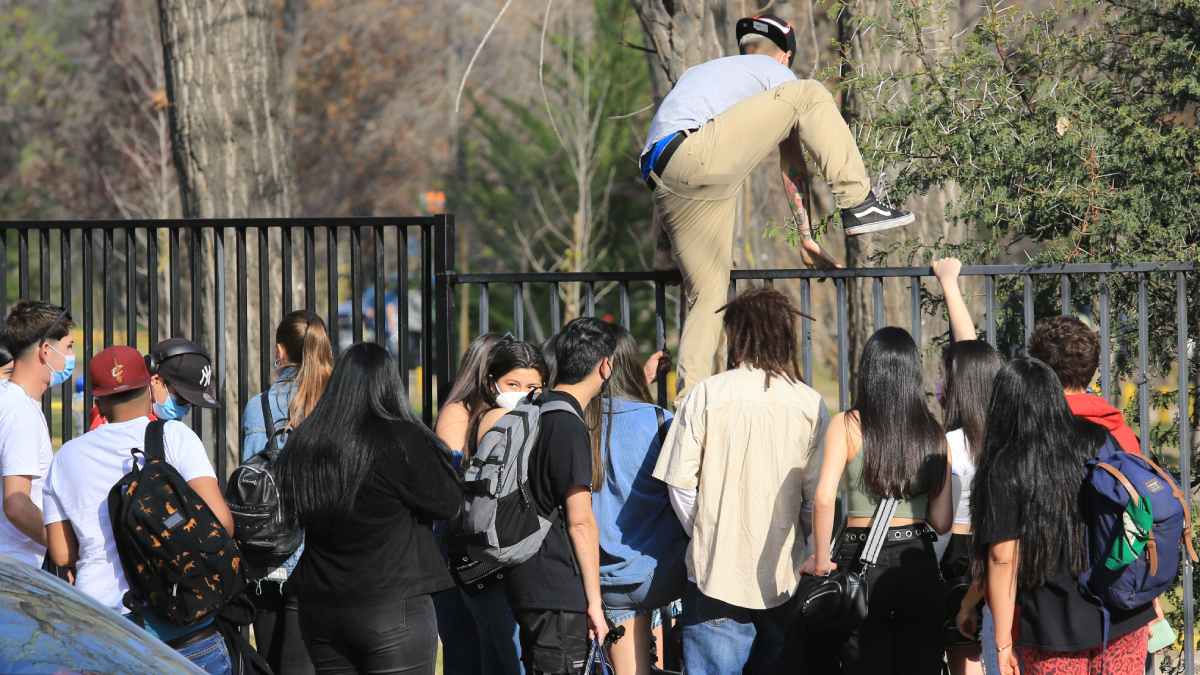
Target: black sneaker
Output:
[(873, 216)]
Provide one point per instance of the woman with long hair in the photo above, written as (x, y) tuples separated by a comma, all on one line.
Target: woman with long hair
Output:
[(1030, 534), (303, 363), (968, 370), (642, 543), (514, 370), (478, 632), (887, 445), (366, 479)]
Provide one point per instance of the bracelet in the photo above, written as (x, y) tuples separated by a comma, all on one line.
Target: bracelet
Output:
[(1007, 646)]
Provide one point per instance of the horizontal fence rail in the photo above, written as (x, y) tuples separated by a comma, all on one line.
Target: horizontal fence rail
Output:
[(226, 284)]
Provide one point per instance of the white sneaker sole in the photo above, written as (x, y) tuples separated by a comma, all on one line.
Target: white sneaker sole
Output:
[(880, 226)]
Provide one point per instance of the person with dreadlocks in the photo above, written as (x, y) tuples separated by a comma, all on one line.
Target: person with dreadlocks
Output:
[(742, 453), (721, 119)]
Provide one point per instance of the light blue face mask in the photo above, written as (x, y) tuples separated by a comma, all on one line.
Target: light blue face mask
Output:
[(172, 409), (58, 377)]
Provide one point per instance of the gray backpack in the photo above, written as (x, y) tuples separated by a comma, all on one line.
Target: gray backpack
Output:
[(500, 525)]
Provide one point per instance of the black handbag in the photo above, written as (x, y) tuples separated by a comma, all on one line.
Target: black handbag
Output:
[(840, 600)]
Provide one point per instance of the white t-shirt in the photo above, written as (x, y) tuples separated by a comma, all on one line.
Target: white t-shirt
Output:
[(962, 469), (77, 487), (24, 451)]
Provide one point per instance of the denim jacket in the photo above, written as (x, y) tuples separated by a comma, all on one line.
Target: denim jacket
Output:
[(255, 434)]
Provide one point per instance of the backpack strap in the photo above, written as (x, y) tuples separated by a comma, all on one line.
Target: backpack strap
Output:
[(1134, 498), (153, 446), (1179, 495), (559, 406)]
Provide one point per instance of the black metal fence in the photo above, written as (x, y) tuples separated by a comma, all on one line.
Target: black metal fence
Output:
[(225, 284)]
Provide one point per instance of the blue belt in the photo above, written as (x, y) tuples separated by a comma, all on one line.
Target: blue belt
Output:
[(651, 158), (655, 161)]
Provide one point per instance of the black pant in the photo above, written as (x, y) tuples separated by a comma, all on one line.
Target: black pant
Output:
[(902, 634), (277, 628), (392, 637), (553, 642)]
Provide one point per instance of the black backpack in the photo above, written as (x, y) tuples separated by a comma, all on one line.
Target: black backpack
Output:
[(267, 538), (177, 557)]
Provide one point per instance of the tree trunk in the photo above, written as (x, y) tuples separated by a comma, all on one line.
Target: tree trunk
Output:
[(232, 156)]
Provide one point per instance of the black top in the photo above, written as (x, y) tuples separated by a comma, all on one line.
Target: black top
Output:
[(1056, 617), (561, 459), (384, 550)]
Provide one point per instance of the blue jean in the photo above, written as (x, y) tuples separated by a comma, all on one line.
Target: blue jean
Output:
[(989, 656), (210, 654), (719, 638), (499, 637)]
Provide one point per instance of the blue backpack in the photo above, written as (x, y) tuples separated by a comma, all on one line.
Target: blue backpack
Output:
[(1138, 521)]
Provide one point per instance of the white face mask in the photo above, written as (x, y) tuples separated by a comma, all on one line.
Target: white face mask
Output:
[(509, 399)]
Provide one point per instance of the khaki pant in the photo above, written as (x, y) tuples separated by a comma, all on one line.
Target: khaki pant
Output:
[(697, 195)]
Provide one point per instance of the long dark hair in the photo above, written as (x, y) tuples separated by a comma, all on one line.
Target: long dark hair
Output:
[(1033, 461), (969, 368), (472, 372), (506, 356), (903, 446), (628, 381), (329, 456)]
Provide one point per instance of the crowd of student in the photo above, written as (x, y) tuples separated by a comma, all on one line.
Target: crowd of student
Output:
[(724, 511)]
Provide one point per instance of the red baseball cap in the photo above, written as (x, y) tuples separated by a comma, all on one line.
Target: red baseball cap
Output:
[(118, 369)]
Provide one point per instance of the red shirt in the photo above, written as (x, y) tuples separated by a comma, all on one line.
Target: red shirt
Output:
[(1095, 409)]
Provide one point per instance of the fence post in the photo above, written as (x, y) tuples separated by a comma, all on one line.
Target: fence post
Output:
[(443, 268)]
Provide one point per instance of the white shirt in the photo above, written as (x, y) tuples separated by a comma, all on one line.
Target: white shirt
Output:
[(24, 451), (962, 469), (77, 487)]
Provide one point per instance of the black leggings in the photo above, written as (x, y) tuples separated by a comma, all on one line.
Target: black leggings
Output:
[(277, 629), (391, 637), (902, 634)]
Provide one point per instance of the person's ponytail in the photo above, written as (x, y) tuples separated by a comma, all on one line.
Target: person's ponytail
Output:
[(306, 341)]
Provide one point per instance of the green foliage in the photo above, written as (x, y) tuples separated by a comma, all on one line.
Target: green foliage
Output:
[(553, 180)]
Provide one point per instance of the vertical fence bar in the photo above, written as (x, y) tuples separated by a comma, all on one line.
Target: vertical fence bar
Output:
[(23, 264), (85, 287), (3, 272), (1185, 459), (195, 241), (989, 290), (660, 333), (356, 286), (243, 333), (331, 257), (402, 299), (806, 361), (589, 299), (1105, 340), (732, 292), (44, 263), (68, 387), (173, 275), (915, 293), (152, 285), (485, 309), (265, 332), (220, 415), (1027, 306), (310, 268), (427, 327), (131, 303), (843, 347), (519, 310), (555, 309), (1143, 373), (108, 296), (623, 301), (381, 319), (1064, 293), (285, 250), (877, 301), (445, 286)]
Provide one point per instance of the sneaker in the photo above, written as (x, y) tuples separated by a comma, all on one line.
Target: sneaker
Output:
[(873, 216)]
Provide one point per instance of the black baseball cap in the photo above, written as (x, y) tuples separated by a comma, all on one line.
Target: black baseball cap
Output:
[(771, 27), (186, 367)]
